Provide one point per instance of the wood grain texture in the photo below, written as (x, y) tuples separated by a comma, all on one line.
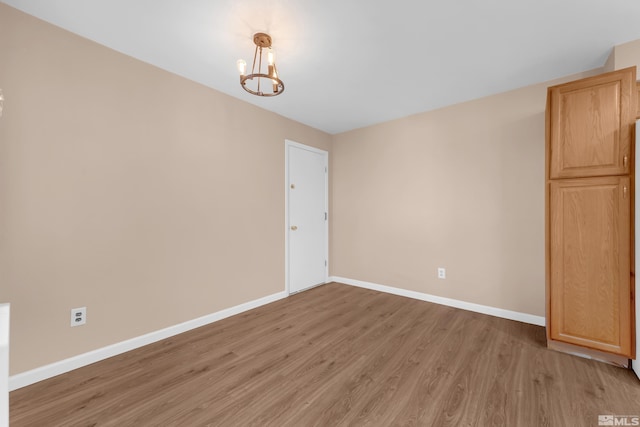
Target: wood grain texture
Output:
[(591, 125), (590, 263), (589, 232), (335, 356)]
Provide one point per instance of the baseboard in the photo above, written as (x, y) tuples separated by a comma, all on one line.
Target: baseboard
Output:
[(478, 308), (44, 372)]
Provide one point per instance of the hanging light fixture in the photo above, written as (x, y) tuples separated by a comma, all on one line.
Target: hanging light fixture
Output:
[(258, 82)]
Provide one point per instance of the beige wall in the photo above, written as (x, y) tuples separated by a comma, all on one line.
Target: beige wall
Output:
[(626, 55), (148, 198), (461, 187), (610, 63)]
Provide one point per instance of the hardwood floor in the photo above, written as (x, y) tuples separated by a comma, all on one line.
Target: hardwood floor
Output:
[(338, 355)]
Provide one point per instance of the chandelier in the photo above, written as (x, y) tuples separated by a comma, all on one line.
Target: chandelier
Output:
[(258, 82)]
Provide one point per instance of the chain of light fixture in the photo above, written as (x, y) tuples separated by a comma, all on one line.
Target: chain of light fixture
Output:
[(259, 83)]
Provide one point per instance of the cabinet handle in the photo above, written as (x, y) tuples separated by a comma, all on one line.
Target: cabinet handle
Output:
[(624, 191), (625, 160)]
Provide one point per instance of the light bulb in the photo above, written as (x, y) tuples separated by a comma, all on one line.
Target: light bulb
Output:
[(270, 57), (242, 66)]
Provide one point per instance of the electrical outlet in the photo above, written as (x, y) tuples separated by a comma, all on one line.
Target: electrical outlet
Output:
[(78, 316), (442, 273)]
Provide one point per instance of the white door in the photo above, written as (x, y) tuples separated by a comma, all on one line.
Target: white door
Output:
[(307, 221), (635, 364)]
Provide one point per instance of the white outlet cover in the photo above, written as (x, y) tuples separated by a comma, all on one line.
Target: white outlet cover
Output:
[(78, 316), (442, 273)]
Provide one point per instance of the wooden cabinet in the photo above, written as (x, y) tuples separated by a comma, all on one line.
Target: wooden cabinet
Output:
[(590, 263), (590, 126)]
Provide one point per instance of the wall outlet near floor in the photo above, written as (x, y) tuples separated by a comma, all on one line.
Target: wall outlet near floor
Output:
[(78, 316), (442, 273)]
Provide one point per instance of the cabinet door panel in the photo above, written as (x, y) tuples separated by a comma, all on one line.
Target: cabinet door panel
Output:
[(590, 263), (590, 125)]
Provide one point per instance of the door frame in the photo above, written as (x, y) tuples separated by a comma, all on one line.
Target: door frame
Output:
[(635, 209), (4, 364), (289, 143)]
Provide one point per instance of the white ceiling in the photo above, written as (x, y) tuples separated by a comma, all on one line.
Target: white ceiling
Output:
[(351, 63)]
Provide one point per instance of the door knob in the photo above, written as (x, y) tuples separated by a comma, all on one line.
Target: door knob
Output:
[(294, 227)]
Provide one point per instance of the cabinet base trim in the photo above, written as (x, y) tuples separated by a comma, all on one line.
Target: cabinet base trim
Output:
[(587, 353)]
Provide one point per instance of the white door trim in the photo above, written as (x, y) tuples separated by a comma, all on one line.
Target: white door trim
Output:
[(288, 143), (4, 365), (635, 364)]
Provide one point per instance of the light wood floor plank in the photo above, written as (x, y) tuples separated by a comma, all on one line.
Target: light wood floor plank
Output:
[(338, 356)]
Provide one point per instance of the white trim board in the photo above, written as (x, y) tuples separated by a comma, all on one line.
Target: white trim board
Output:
[(44, 372), (469, 306), (4, 364)]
